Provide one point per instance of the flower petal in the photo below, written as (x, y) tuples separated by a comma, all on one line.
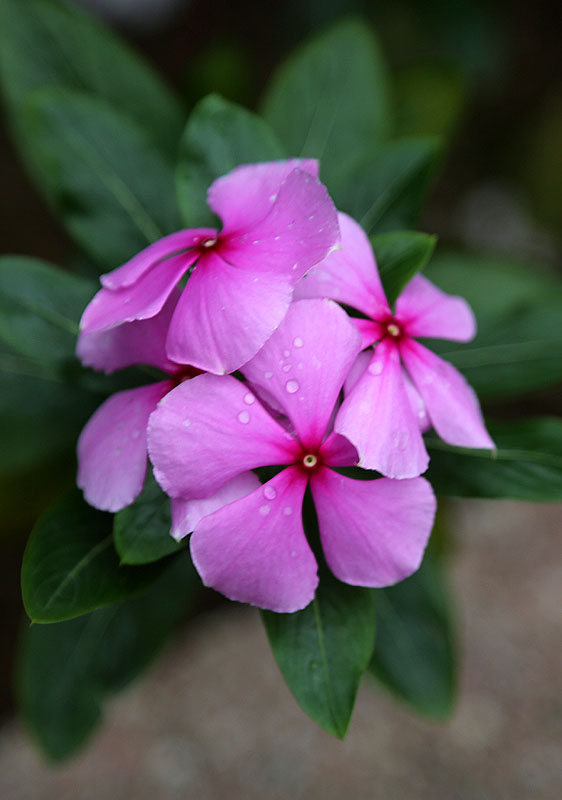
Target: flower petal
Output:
[(142, 300), (136, 267), (349, 274), (304, 364), (112, 447), (208, 430), (225, 315), (452, 404), (246, 194), (139, 342), (299, 231), (378, 419), (337, 451), (255, 551), (427, 311), (186, 514), (373, 533)]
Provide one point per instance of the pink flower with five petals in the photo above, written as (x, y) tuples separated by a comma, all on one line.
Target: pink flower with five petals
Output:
[(213, 430), (404, 387), (278, 221)]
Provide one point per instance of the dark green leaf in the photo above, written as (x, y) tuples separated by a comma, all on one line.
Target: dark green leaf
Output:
[(430, 100), (527, 464), (67, 669), (518, 308), (323, 650), (414, 651), (113, 190), (48, 43), (70, 566), (142, 530), (329, 100), (218, 137), (40, 307), (399, 257), (386, 190)]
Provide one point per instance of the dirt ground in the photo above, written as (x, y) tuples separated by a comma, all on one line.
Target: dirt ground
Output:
[(213, 718)]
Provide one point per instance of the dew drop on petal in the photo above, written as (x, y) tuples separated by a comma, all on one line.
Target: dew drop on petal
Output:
[(375, 368), (268, 375), (264, 510), (293, 553), (270, 492), (288, 510), (292, 386), (249, 399), (243, 417), (422, 414), (286, 368), (297, 341), (186, 423), (286, 353)]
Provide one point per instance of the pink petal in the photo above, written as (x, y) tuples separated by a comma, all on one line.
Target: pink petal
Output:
[(370, 331), (349, 274), (452, 404), (357, 370), (427, 311), (245, 195), (112, 447), (416, 402), (225, 315), (140, 342), (207, 431), (169, 245), (142, 300), (373, 533), (255, 551), (337, 451), (186, 514), (305, 363), (378, 419), (299, 231)]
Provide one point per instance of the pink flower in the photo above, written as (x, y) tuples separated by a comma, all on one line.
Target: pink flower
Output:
[(212, 430), (405, 387), (278, 221)]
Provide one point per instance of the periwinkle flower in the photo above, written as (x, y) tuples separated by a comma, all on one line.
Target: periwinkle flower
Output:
[(403, 387), (212, 430), (277, 222)]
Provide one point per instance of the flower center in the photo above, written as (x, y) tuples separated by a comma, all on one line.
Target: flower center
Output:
[(209, 242), (310, 461), (393, 329)]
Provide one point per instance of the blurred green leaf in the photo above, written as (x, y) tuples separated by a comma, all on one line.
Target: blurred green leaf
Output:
[(218, 137), (66, 670), (399, 257), (323, 650), (414, 652), (527, 464), (40, 307), (142, 530), (518, 308), (329, 100), (70, 566), (429, 100), (385, 191), (45, 43), (112, 188)]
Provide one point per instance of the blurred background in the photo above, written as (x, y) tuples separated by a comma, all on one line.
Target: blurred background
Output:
[(213, 716)]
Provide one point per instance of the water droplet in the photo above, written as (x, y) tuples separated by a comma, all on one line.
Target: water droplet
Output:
[(311, 216), (292, 386), (293, 553), (269, 492), (288, 510), (268, 375), (421, 413), (286, 368), (286, 353), (264, 510), (297, 341), (295, 265), (256, 241), (272, 198), (243, 417), (376, 367), (186, 423), (276, 238), (299, 365), (249, 399)]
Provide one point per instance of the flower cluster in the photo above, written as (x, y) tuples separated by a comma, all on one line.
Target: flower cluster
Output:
[(262, 298)]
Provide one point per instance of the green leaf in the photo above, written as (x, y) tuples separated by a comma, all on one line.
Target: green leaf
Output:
[(218, 137), (112, 188), (142, 530), (518, 308), (329, 100), (323, 650), (40, 307), (68, 669), (430, 100), (44, 43), (70, 566), (386, 190), (414, 652), (527, 464), (399, 257)]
